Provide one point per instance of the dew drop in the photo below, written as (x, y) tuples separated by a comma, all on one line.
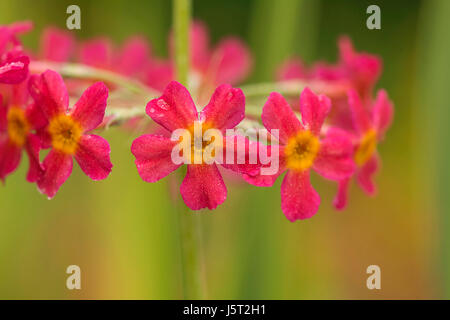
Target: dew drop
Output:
[(162, 104)]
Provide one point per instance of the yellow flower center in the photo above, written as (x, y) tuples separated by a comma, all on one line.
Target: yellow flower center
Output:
[(18, 126), (65, 133), (301, 150), (366, 148), (204, 140)]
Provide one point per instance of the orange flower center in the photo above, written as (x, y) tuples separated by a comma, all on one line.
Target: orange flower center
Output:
[(301, 150), (366, 148), (18, 126), (65, 133)]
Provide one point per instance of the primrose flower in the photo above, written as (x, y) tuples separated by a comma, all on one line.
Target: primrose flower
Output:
[(128, 60), (13, 62), (359, 69), (17, 124), (302, 148), (370, 125), (228, 62), (203, 186), (56, 45), (68, 131)]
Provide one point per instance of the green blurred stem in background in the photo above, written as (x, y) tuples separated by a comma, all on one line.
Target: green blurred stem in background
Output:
[(190, 225), (431, 131)]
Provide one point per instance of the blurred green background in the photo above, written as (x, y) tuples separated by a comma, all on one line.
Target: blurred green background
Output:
[(122, 232)]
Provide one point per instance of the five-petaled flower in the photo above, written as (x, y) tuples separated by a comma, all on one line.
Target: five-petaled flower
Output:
[(203, 186), (68, 130), (303, 149), (370, 126)]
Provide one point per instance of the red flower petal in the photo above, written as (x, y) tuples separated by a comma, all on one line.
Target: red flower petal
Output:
[(32, 147), (158, 74), (57, 45), (93, 156), (3, 116), (133, 56), (203, 187), (244, 150), (49, 93), (278, 115), (230, 62), (153, 157), (226, 109), (174, 109), (267, 180), (199, 49), (365, 175), (314, 110), (360, 116), (35, 116), (14, 70), (299, 200), (10, 156), (382, 113), (57, 168), (335, 158), (97, 53), (89, 111), (363, 68), (340, 201), (292, 69)]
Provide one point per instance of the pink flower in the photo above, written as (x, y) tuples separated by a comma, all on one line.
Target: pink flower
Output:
[(228, 62), (68, 131), (203, 186), (17, 124), (302, 149), (13, 62), (57, 45), (370, 125), (360, 69), (129, 60)]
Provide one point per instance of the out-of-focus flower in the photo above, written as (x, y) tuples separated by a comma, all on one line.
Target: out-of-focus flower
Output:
[(57, 45), (357, 70), (228, 62), (360, 69), (68, 131), (370, 125), (302, 149), (18, 120), (13, 62), (129, 60), (203, 186)]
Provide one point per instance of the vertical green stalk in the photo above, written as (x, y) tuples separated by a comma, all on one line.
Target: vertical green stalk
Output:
[(181, 19), (190, 227), (430, 124)]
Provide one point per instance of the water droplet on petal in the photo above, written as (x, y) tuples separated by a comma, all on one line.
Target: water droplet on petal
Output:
[(162, 104)]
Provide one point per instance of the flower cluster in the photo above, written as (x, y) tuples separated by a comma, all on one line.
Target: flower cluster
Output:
[(35, 115), (331, 126)]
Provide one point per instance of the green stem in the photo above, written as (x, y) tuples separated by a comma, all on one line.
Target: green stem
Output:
[(190, 225), (181, 21)]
